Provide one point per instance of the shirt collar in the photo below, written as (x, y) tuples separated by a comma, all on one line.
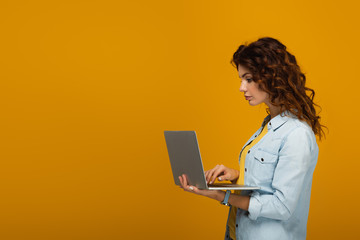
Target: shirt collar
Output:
[(278, 120)]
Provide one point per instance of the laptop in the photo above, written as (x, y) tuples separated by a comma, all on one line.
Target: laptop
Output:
[(185, 159)]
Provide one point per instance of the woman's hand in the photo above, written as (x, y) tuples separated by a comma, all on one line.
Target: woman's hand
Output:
[(221, 173), (214, 194), (235, 200)]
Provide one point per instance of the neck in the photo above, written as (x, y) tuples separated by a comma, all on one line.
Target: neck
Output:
[(274, 111)]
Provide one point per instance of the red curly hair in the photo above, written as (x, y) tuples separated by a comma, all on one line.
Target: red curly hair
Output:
[(277, 73)]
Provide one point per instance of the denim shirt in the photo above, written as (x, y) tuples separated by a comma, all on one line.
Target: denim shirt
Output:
[(282, 165)]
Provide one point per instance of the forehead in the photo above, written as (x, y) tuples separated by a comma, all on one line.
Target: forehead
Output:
[(242, 70)]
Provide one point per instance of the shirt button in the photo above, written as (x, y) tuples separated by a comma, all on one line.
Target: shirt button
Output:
[(245, 169), (270, 123), (262, 159), (249, 151), (255, 135), (236, 225)]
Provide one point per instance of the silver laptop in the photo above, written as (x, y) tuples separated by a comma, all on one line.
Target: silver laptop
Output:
[(185, 159)]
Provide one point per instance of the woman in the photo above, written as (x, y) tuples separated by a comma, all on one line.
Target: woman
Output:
[(280, 157)]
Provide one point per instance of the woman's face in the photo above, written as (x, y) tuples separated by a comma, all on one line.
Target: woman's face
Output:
[(251, 89)]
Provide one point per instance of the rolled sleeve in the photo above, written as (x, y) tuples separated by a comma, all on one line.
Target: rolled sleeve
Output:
[(254, 206), (288, 182)]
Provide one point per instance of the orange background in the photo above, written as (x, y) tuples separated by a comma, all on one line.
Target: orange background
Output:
[(88, 87)]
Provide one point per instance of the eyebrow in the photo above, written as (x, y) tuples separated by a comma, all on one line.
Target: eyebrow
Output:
[(244, 74)]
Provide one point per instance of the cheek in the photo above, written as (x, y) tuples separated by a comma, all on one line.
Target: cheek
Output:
[(261, 95), (265, 95)]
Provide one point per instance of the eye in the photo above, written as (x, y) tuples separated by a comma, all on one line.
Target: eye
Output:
[(249, 80)]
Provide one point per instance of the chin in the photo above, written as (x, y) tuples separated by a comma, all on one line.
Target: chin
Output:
[(253, 103)]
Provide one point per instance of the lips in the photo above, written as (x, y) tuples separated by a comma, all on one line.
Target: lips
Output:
[(247, 97)]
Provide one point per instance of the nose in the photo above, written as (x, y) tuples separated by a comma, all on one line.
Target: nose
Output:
[(243, 86)]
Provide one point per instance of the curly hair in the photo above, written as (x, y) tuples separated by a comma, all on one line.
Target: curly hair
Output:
[(277, 73)]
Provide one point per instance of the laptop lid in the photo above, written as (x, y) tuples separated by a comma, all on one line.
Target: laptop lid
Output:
[(185, 157)]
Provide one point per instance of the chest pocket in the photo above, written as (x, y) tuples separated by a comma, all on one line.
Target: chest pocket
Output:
[(264, 165)]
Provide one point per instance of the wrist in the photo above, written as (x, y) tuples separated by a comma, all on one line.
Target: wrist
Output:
[(236, 176), (221, 196), (226, 198), (237, 173)]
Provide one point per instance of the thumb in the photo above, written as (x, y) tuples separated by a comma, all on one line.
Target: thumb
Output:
[(224, 177)]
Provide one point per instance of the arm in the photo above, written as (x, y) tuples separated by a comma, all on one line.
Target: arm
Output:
[(295, 161)]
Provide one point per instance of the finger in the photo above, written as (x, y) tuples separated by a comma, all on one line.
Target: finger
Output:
[(224, 175), (219, 171), (181, 182), (195, 189), (207, 176), (211, 173), (221, 178), (187, 187), (184, 181)]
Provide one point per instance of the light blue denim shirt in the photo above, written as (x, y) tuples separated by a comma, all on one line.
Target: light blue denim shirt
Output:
[(282, 165)]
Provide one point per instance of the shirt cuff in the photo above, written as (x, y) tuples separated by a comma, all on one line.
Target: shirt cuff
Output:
[(254, 206)]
